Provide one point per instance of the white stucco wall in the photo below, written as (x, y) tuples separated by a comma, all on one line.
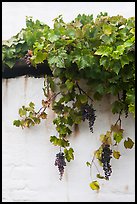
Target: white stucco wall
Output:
[(28, 171)]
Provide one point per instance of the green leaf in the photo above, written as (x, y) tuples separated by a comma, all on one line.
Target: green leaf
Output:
[(120, 49), (59, 141), (39, 57), (77, 119), (69, 85), (10, 63), (63, 89), (31, 104), (88, 163), (107, 29), (116, 67), (55, 140), (118, 136), (104, 50), (63, 143), (69, 154), (36, 120), (107, 39), (94, 185), (63, 130), (124, 60), (101, 177), (100, 89), (83, 98), (130, 98), (128, 144), (129, 42), (117, 106), (51, 83), (52, 37), (116, 154), (17, 123), (132, 108), (106, 139), (104, 61), (98, 155), (22, 112)]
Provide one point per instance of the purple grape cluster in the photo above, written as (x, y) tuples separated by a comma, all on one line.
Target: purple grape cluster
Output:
[(88, 113), (60, 162), (106, 156)]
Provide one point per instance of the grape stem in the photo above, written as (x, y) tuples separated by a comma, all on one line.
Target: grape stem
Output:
[(81, 90), (119, 118), (52, 97), (92, 162)]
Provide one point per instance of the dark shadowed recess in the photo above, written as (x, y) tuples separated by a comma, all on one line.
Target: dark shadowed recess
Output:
[(22, 69)]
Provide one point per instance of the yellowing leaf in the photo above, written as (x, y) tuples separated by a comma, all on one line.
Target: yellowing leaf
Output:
[(94, 185), (43, 115), (116, 154), (106, 138), (22, 112), (129, 143), (107, 29), (102, 136), (116, 128)]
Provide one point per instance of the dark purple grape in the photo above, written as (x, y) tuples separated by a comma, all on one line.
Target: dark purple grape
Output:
[(60, 162), (106, 156), (88, 113)]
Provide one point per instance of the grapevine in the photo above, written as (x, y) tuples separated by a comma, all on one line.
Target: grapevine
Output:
[(89, 59)]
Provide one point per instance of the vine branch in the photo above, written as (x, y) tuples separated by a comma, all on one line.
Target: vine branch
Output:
[(81, 90)]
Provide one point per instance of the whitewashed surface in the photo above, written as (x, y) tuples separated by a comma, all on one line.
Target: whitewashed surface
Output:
[(28, 171)]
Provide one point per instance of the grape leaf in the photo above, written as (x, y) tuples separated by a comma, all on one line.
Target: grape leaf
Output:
[(17, 123), (116, 128), (88, 163), (116, 154), (94, 185), (43, 115), (31, 104), (107, 29), (101, 177), (128, 144), (117, 137), (22, 112), (69, 154), (69, 85), (83, 98)]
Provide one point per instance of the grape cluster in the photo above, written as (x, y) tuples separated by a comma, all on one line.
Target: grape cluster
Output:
[(27, 58), (106, 156), (60, 162), (88, 113)]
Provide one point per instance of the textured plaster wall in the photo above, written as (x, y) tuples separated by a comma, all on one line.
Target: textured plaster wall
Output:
[(28, 170)]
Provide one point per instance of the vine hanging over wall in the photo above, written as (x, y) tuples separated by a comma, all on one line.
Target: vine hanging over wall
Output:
[(101, 54)]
